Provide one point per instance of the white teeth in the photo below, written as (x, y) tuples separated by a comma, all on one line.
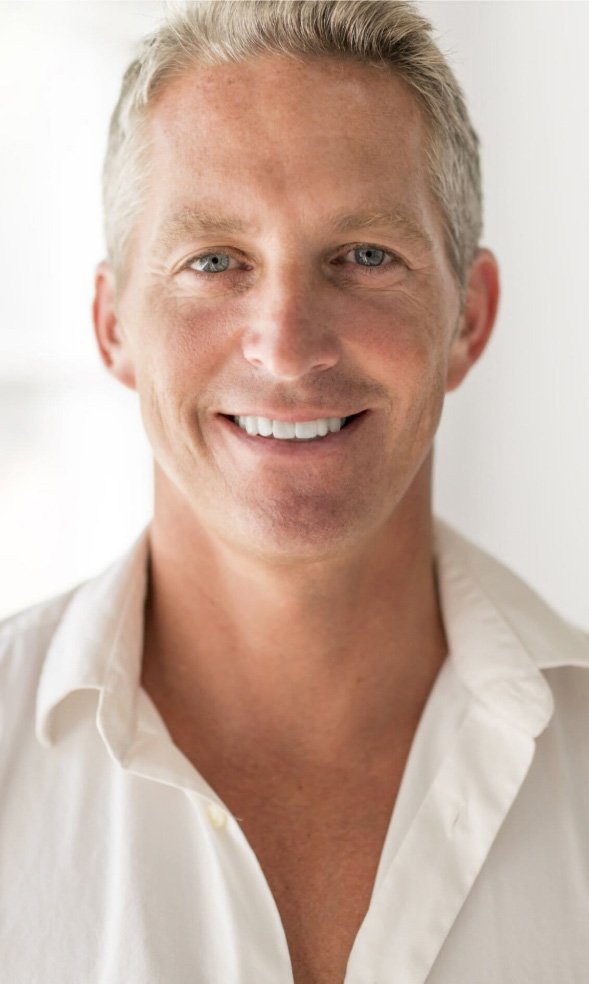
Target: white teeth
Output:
[(307, 429), (283, 429), (290, 430)]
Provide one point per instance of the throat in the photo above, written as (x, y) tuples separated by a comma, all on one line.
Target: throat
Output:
[(302, 665)]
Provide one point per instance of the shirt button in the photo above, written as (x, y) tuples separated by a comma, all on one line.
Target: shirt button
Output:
[(217, 815)]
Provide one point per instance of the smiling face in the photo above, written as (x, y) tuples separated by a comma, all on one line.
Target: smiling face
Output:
[(289, 263)]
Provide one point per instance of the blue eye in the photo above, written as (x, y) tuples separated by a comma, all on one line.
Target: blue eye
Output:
[(369, 256), (212, 263)]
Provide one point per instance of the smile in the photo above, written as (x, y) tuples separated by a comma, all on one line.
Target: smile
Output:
[(287, 430), (249, 430)]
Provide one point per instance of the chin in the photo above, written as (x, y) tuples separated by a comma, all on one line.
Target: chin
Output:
[(310, 531)]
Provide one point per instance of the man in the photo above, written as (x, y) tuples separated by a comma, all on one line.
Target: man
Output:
[(301, 732)]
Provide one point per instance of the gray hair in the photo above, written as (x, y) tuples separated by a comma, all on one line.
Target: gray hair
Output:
[(387, 33)]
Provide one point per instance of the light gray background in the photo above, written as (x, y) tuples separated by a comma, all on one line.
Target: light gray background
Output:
[(511, 460)]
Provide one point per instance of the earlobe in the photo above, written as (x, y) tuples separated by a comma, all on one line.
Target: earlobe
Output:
[(477, 318), (112, 344)]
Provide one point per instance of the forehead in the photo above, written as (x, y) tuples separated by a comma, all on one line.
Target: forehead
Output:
[(278, 133), (268, 84)]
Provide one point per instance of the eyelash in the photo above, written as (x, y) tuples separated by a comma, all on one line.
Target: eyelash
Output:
[(373, 269), (348, 249)]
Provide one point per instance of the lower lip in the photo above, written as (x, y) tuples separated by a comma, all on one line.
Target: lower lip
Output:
[(296, 449)]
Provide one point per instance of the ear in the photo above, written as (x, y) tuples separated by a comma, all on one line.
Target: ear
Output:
[(477, 317), (112, 342)]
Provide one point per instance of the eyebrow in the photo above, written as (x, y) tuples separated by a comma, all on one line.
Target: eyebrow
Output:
[(188, 221), (397, 218)]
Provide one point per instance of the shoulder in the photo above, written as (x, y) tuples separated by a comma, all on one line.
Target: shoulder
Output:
[(25, 638), (33, 627), (64, 644), (550, 639)]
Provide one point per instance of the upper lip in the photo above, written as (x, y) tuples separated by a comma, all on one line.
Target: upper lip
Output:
[(289, 416)]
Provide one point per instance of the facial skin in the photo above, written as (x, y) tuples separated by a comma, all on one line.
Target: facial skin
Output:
[(296, 326), (292, 629)]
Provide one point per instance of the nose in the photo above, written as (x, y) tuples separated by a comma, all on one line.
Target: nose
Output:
[(290, 334)]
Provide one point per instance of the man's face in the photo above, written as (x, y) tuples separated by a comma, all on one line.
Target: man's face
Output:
[(289, 263)]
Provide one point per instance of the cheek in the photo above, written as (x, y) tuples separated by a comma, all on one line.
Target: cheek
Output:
[(181, 343), (405, 348)]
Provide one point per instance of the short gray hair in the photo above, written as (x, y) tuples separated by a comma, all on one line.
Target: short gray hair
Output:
[(387, 33)]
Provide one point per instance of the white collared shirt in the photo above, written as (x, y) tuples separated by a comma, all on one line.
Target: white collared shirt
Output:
[(119, 864)]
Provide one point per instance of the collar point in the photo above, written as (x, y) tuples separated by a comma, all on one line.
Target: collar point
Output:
[(527, 704)]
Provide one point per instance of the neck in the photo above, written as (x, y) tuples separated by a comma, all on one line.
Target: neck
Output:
[(337, 654)]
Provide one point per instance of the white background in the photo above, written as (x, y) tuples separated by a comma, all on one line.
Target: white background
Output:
[(511, 461)]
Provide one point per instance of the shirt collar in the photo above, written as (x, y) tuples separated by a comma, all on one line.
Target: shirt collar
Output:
[(500, 636), (98, 645), (488, 654)]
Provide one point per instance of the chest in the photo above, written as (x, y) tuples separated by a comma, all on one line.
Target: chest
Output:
[(317, 832), (319, 854), (322, 891)]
